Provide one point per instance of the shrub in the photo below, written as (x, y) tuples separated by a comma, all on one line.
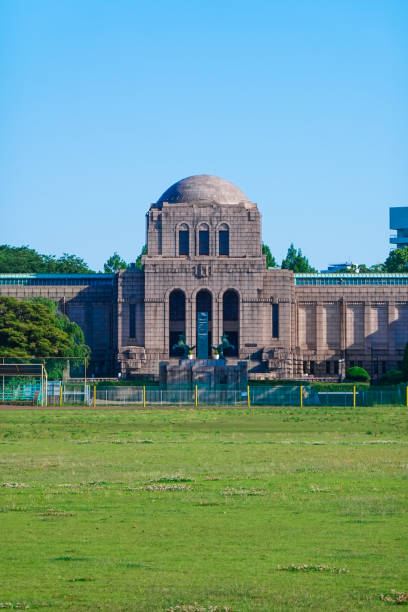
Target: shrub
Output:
[(393, 377), (356, 373)]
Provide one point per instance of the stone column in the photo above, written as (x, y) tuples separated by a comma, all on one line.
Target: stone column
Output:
[(189, 321), (320, 346), (392, 317), (343, 324)]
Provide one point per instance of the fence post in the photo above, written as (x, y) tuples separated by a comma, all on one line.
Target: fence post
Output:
[(60, 398), (354, 396), (196, 397), (94, 396), (144, 396), (301, 396), (248, 397)]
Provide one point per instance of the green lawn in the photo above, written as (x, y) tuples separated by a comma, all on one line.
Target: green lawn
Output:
[(149, 510)]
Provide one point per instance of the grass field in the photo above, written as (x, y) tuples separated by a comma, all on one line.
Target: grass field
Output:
[(263, 509)]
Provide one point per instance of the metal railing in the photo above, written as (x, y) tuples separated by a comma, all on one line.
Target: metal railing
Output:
[(59, 394)]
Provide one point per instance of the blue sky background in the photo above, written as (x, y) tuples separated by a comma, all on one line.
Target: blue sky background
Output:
[(104, 104)]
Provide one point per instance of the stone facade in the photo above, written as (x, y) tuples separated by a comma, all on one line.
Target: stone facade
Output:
[(205, 255)]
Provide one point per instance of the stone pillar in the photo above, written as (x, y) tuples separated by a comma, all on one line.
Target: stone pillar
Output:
[(189, 321), (193, 321), (218, 328), (320, 346), (392, 317), (367, 328), (343, 324)]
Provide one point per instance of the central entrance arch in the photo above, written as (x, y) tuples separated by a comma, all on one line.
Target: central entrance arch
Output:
[(204, 324)]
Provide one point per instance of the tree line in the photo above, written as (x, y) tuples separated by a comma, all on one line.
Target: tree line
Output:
[(35, 328), (19, 260)]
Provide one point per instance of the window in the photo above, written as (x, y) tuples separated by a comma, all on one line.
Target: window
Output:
[(336, 366), (184, 240), (275, 320), (328, 369), (312, 367), (132, 320), (351, 364), (223, 235), (204, 240), (305, 367), (383, 367)]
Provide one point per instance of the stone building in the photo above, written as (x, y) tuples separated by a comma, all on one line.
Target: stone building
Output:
[(204, 262)]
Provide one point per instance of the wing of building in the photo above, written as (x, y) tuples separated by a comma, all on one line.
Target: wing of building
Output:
[(204, 263)]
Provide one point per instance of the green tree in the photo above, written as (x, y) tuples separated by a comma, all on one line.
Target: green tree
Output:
[(397, 261), (358, 374), (21, 260), (114, 264), (296, 261), (270, 260), (78, 352), (33, 328), (69, 264), (139, 257)]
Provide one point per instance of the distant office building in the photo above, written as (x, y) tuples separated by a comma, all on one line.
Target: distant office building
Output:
[(332, 268), (399, 222)]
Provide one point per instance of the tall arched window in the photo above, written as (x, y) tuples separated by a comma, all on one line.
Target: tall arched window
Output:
[(177, 321), (203, 239), (230, 321), (223, 239), (184, 240), (204, 324)]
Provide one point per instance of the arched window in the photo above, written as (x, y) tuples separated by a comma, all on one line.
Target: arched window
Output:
[(184, 240), (230, 321), (204, 324), (177, 321), (223, 239), (203, 239)]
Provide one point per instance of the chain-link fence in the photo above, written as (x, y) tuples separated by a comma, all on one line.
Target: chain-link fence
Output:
[(60, 394)]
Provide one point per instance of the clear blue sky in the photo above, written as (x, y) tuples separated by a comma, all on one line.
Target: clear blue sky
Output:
[(303, 104)]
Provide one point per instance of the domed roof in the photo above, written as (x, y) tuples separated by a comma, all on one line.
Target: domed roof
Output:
[(204, 187)]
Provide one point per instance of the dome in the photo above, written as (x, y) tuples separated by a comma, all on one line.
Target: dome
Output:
[(203, 187)]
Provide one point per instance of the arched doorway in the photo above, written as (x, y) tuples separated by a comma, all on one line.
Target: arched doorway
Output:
[(230, 321), (177, 321), (204, 324)]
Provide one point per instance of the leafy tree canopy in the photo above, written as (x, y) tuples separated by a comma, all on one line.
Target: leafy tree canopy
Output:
[(114, 264), (20, 260), (139, 257), (397, 261), (362, 269), (296, 261), (33, 328), (270, 260), (357, 373)]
